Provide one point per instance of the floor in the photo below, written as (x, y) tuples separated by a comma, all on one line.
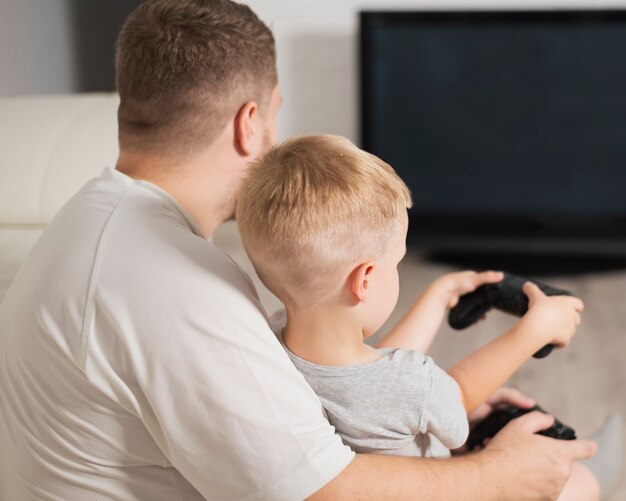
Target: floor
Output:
[(580, 384)]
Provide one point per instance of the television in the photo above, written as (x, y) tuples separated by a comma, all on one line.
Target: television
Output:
[(509, 127)]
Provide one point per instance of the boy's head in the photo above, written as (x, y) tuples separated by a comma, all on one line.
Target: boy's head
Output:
[(315, 208)]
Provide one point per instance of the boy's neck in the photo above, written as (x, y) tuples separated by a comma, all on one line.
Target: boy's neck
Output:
[(326, 336)]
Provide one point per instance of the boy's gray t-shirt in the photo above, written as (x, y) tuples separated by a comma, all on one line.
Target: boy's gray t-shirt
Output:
[(395, 405)]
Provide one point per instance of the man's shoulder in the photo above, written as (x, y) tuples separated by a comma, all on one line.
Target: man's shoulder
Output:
[(134, 244), (159, 251)]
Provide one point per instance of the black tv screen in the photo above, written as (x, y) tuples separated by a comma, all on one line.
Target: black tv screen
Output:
[(503, 124)]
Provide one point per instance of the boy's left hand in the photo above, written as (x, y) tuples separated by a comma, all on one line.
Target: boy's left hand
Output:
[(502, 397), (455, 285)]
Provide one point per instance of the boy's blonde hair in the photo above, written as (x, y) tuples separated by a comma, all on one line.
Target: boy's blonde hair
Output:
[(311, 209)]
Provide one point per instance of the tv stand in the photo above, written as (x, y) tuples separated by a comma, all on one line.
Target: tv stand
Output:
[(535, 263)]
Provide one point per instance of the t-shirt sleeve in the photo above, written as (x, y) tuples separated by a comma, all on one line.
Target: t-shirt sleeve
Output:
[(444, 415)]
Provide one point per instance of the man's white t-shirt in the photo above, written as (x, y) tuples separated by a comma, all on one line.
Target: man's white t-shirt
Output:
[(136, 362)]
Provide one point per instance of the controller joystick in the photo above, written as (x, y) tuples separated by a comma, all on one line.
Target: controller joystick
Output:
[(506, 295), (495, 421)]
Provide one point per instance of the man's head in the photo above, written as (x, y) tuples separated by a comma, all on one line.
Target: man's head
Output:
[(315, 209), (185, 69)]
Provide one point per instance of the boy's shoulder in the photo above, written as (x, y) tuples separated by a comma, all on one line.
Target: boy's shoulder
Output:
[(392, 362)]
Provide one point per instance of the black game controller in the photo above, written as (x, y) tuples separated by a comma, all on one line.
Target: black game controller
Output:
[(506, 295), (495, 421)]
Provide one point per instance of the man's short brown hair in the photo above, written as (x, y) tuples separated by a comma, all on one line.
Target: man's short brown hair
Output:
[(185, 67)]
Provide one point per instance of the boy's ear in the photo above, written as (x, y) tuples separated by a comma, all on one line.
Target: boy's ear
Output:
[(246, 129), (360, 280)]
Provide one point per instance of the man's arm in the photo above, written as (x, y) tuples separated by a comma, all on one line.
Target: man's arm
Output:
[(548, 320), (517, 464), (418, 328)]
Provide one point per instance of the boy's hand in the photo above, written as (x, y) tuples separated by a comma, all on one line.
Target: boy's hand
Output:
[(502, 397), (554, 318), (454, 285)]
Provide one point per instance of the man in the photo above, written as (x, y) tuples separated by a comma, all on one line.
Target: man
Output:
[(135, 359)]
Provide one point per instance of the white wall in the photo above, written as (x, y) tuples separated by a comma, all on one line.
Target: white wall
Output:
[(317, 53), (316, 42), (36, 53)]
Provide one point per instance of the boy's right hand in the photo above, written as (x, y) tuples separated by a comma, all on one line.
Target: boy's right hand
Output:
[(553, 318)]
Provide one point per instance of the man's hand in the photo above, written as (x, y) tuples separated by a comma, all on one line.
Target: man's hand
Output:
[(517, 464), (454, 285), (546, 460)]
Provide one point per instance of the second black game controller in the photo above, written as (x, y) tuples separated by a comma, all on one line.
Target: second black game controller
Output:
[(506, 295), (495, 421)]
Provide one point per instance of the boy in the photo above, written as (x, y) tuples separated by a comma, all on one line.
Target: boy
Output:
[(325, 224)]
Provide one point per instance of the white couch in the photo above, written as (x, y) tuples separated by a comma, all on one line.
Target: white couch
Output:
[(49, 147)]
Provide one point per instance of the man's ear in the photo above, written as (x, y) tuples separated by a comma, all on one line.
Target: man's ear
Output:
[(360, 280), (247, 133)]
